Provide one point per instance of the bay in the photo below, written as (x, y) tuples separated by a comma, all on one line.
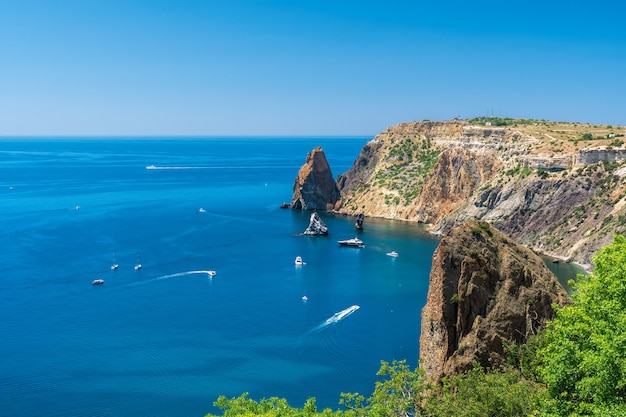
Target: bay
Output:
[(167, 339)]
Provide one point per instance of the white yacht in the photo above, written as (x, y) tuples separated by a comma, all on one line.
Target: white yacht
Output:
[(98, 281), (355, 242), (299, 261), (393, 254)]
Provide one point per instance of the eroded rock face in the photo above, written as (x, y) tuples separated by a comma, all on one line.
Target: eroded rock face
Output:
[(485, 291), (316, 226), (315, 187), (457, 174)]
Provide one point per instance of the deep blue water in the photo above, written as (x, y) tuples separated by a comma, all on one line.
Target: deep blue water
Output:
[(167, 340)]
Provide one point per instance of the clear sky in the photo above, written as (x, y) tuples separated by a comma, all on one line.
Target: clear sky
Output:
[(303, 67)]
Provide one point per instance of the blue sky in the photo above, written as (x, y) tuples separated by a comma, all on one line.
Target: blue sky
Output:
[(303, 67)]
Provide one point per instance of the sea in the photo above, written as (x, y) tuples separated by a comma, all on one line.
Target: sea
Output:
[(169, 338)]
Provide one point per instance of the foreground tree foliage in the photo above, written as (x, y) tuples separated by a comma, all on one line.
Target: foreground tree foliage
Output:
[(576, 367), (583, 358), (403, 392)]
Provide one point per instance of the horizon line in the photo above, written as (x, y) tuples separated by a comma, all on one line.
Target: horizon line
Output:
[(173, 136)]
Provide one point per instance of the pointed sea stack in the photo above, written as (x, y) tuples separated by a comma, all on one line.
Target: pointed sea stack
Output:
[(315, 187), (485, 291)]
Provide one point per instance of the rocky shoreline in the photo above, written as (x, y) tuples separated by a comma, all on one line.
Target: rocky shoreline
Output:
[(560, 192)]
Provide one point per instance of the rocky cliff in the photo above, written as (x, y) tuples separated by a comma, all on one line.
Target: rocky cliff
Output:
[(485, 291), (314, 187), (559, 188)]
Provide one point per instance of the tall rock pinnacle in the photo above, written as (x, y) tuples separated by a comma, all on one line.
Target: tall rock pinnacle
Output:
[(315, 188)]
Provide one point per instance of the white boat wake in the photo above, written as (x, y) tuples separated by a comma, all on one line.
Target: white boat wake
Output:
[(335, 318), (208, 273), (238, 167), (177, 167)]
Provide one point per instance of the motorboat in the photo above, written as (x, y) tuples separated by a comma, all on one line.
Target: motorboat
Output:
[(341, 314), (115, 265), (202, 210), (98, 281), (393, 254), (355, 242), (305, 298), (211, 273), (299, 261), (138, 264), (338, 316)]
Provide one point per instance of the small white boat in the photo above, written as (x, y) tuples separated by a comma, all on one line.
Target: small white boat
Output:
[(202, 210), (114, 265), (98, 281), (150, 167), (355, 242), (211, 273), (138, 265), (393, 254), (305, 298), (299, 261)]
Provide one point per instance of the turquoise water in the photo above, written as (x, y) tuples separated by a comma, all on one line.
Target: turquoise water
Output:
[(167, 339)]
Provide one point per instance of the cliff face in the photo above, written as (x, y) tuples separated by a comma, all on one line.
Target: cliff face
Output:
[(314, 187), (485, 290), (456, 175), (539, 182)]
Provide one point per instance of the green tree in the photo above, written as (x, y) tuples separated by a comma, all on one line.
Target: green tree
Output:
[(243, 406), (587, 136), (477, 393), (583, 359), (399, 393)]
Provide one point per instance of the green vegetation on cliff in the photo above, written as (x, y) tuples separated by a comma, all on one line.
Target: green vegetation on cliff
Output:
[(576, 367)]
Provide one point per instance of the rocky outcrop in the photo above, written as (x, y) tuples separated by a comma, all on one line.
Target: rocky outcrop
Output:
[(316, 226), (537, 181), (315, 188), (456, 175), (363, 168), (360, 219), (485, 292)]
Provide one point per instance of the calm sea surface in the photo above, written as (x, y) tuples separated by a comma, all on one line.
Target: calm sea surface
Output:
[(167, 339)]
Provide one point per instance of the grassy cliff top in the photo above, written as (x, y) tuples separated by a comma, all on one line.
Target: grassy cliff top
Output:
[(558, 137)]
